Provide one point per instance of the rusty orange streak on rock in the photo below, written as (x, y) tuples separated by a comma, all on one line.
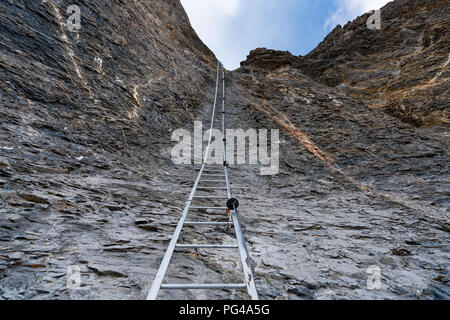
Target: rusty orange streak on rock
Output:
[(290, 129)]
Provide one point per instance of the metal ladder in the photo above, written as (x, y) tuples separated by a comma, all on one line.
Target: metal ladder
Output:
[(212, 173)]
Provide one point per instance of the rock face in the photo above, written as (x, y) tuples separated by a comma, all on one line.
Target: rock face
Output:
[(87, 183), (86, 117)]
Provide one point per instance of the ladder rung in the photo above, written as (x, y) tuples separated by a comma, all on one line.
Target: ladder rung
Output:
[(210, 208), (213, 175), (212, 223), (202, 286), (213, 181), (207, 246), (212, 188)]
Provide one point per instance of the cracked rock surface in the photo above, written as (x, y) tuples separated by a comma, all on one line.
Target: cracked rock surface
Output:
[(87, 182)]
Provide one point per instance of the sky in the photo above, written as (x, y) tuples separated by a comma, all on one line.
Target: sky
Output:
[(231, 28)]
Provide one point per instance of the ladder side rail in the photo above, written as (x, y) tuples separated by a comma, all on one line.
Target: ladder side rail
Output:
[(249, 277)]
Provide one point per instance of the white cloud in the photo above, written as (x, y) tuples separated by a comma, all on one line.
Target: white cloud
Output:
[(209, 17), (350, 9)]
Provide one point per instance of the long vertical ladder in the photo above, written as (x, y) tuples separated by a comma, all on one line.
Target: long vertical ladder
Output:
[(212, 173)]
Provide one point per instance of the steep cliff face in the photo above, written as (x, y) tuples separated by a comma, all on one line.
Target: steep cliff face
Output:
[(86, 178), (97, 78), (402, 69), (357, 187), (85, 119)]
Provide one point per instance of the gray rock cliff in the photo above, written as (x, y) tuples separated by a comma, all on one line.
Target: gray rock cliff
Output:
[(86, 177)]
